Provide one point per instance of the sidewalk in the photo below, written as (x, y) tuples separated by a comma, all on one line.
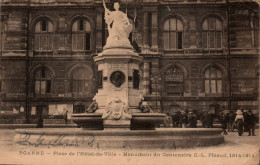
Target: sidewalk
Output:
[(14, 126)]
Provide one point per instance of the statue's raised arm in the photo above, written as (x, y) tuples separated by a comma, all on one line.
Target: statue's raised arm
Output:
[(119, 27), (104, 5)]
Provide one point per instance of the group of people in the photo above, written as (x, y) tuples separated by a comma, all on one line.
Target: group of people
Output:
[(181, 119), (230, 121)]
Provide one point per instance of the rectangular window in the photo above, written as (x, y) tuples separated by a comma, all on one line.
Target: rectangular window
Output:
[(80, 45), (48, 87), (213, 86), (37, 87), (172, 40), (37, 41), (219, 86), (218, 39), (87, 41), (207, 86), (166, 41), (211, 39), (43, 87), (75, 86), (204, 39), (78, 41), (80, 86), (49, 43), (44, 42), (74, 41), (179, 40)]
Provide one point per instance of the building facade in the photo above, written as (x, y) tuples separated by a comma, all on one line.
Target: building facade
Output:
[(198, 55)]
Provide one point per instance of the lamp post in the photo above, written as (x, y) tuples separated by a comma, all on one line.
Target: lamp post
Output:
[(156, 78)]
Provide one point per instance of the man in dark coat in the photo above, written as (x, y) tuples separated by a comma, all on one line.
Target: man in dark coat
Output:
[(246, 120), (192, 120), (183, 119), (230, 119), (223, 121), (207, 120), (176, 119), (40, 122), (251, 123)]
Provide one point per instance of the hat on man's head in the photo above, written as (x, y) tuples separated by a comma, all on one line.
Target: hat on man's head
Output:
[(239, 112)]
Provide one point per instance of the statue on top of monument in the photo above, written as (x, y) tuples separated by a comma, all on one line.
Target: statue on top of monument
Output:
[(118, 26)]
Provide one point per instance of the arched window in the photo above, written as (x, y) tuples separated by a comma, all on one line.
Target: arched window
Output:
[(211, 33), (213, 81), (80, 81), (1, 79), (43, 36), (42, 80), (172, 34), (174, 81), (81, 35)]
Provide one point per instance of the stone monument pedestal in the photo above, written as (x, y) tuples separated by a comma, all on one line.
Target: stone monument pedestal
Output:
[(120, 70)]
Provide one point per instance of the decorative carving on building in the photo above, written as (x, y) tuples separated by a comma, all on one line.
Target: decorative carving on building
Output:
[(116, 110), (144, 107), (93, 107), (174, 80)]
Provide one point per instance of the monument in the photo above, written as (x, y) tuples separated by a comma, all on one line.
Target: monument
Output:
[(119, 117)]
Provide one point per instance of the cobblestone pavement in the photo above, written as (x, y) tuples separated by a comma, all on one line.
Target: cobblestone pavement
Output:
[(236, 150)]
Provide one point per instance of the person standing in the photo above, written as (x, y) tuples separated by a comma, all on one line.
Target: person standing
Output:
[(230, 119), (251, 123), (239, 121), (223, 121), (183, 120), (66, 117), (40, 122), (192, 120), (168, 120), (246, 120)]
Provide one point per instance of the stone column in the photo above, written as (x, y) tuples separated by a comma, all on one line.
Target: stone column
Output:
[(146, 29), (146, 80), (155, 29), (99, 29)]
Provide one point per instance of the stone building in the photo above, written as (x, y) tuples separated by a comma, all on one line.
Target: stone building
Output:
[(198, 55)]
